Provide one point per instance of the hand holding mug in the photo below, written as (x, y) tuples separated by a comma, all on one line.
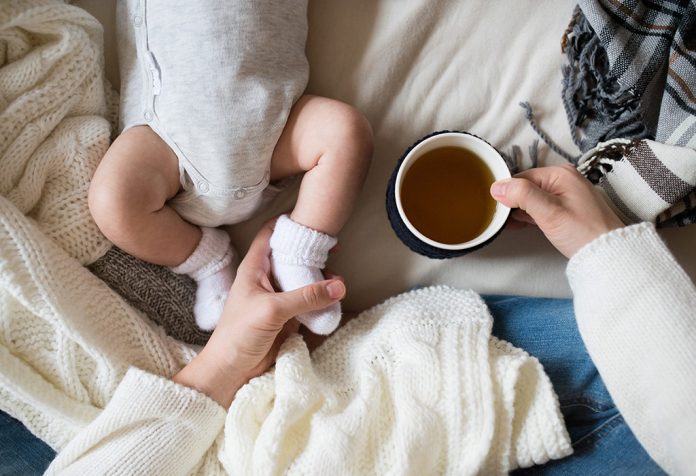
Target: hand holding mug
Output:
[(561, 202)]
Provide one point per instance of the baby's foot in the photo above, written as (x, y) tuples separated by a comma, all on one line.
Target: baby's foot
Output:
[(211, 294), (213, 265), (298, 256), (291, 277)]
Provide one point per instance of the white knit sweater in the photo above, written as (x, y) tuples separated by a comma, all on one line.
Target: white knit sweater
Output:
[(636, 310)]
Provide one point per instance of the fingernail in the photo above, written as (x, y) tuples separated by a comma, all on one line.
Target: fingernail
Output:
[(499, 188), (336, 289)]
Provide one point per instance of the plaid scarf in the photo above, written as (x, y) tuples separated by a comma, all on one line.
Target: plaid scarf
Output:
[(629, 90)]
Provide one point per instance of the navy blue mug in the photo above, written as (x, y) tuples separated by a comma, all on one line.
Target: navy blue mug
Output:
[(407, 232)]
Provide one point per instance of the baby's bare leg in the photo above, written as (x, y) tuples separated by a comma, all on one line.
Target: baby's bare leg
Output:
[(128, 200), (128, 195), (331, 142)]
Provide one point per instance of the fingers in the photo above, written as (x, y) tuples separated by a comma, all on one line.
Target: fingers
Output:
[(535, 191), (313, 297), (524, 194), (260, 247), (552, 179)]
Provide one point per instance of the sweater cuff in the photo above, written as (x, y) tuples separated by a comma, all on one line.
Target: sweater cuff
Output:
[(618, 251), (156, 395), (151, 425)]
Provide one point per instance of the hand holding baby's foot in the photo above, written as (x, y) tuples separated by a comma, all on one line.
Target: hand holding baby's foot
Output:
[(298, 255), (213, 265)]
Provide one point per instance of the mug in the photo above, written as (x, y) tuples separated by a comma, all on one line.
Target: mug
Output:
[(414, 238)]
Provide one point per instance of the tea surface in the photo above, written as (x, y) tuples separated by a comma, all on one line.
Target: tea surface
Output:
[(445, 195)]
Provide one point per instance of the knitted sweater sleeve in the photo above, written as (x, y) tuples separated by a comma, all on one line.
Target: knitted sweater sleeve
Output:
[(150, 426), (636, 311)]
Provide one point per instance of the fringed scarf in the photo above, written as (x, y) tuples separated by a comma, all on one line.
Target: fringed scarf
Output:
[(629, 90)]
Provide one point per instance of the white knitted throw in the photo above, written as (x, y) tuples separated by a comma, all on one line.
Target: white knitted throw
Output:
[(416, 385)]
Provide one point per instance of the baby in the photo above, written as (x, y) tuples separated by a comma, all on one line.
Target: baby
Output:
[(212, 116)]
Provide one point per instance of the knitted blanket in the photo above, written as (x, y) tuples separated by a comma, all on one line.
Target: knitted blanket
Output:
[(629, 90), (416, 385)]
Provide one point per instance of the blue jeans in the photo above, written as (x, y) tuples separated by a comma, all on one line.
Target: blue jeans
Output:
[(545, 328), (602, 441), (20, 451)]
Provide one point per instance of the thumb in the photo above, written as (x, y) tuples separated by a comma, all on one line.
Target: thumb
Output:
[(313, 297), (526, 195)]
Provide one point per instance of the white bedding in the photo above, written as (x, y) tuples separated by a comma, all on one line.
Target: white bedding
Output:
[(416, 66)]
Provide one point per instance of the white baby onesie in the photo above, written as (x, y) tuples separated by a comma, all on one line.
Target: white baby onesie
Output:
[(216, 79)]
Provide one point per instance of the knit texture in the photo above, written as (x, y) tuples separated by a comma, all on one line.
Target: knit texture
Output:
[(66, 339), (163, 296), (213, 265), (56, 117), (416, 385), (182, 419), (296, 244), (641, 334), (387, 391), (53, 131), (210, 256), (298, 254)]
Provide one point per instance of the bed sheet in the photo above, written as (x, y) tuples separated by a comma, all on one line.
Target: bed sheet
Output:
[(416, 66)]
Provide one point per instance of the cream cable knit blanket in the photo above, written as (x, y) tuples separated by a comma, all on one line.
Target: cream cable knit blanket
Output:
[(52, 128), (416, 385)]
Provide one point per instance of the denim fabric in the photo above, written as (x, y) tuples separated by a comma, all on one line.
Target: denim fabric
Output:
[(602, 442), (545, 328), (21, 453)]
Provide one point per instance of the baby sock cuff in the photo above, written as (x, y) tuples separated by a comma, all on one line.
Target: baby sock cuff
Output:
[(211, 255), (296, 244)]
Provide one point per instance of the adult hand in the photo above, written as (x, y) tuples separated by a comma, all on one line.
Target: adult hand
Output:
[(565, 206), (254, 323)]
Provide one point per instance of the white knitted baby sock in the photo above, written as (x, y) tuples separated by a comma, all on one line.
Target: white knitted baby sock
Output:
[(298, 255), (213, 265)]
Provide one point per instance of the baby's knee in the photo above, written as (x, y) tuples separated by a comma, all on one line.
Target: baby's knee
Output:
[(351, 131), (116, 203), (131, 182), (110, 206)]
